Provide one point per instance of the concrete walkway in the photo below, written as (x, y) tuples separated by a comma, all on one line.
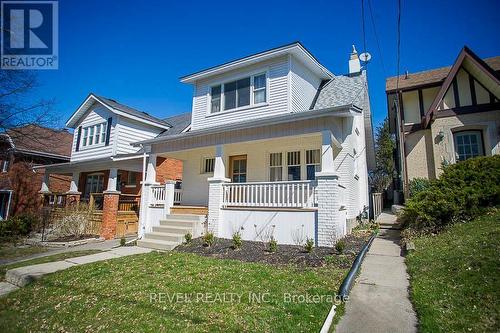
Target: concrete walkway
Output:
[(379, 301), (19, 277)]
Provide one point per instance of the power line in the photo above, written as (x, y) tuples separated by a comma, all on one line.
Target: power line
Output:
[(363, 24), (398, 44), (376, 37)]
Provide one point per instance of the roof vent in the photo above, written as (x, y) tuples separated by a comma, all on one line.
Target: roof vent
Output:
[(406, 75)]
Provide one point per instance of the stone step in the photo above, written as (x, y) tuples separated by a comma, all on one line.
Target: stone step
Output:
[(166, 236), (180, 223), (185, 217), (157, 244), (173, 230)]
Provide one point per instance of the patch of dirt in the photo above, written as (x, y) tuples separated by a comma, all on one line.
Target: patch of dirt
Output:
[(251, 251), (71, 238)]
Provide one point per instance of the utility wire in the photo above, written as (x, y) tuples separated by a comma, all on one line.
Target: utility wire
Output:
[(363, 24), (376, 38), (398, 44)]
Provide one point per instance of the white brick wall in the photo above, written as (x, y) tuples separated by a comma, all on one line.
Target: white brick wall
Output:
[(215, 194), (331, 221)]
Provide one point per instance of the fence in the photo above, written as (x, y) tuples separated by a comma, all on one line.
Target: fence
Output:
[(378, 204)]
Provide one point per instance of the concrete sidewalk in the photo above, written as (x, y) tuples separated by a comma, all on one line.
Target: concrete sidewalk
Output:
[(379, 301), (19, 277)]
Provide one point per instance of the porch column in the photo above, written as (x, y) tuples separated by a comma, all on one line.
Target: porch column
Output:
[(73, 196), (169, 196), (45, 183), (215, 192), (149, 180), (327, 154), (110, 206)]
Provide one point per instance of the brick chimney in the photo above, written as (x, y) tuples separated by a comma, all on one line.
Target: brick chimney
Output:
[(354, 64)]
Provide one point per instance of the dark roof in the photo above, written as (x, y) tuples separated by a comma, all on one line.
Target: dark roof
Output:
[(178, 122), (430, 76), (127, 109), (33, 138), (342, 90)]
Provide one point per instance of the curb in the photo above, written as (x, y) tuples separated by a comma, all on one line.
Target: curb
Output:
[(346, 285)]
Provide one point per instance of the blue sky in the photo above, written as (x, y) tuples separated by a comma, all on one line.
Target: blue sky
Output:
[(135, 51)]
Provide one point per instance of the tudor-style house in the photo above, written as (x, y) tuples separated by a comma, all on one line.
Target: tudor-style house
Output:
[(444, 116), (278, 146)]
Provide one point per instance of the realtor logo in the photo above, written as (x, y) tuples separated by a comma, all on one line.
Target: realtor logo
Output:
[(29, 35)]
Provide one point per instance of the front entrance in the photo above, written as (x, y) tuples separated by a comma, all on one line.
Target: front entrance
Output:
[(4, 204), (94, 184), (238, 168)]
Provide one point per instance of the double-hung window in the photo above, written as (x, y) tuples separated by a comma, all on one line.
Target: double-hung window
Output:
[(93, 135), (240, 93), (313, 163), (275, 167), (293, 163), (208, 165)]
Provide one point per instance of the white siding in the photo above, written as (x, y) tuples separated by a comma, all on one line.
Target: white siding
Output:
[(133, 131), (277, 70), (304, 85), (96, 114)]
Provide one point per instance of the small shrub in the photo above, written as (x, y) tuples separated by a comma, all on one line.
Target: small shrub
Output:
[(418, 185), (237, 240), (188, 238), (75, 220), (309, 245), (340, 246), (123, 241), (209, 239), (273, 245), (18, 226)]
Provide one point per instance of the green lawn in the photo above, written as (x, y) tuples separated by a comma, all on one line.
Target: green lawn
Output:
[(455, 277), (9, 251), (42, 260), (116, 295)]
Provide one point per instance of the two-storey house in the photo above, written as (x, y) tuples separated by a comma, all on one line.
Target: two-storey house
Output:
[(278, 146), (102, 160), (444, 115)]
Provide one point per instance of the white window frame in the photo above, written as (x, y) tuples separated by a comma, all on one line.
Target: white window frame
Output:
[(5, 165), (203, 168), (99, 132), (252, 95), (300, 165), (275, 166), (315, 164)]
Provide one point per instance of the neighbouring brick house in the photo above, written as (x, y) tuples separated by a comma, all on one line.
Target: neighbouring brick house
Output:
[(21, 149), (445, 115)]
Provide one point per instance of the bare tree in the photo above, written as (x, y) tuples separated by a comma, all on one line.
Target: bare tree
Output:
[(18, 105)]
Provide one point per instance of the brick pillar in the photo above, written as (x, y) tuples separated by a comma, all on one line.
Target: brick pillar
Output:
[(215, 196), (109, 214), (330, 225), (72, 199)]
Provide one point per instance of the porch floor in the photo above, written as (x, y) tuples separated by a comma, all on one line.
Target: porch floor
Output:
[(184, 209)]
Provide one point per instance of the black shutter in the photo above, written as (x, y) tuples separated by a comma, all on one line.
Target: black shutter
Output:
[(78, 137), (108, 130)]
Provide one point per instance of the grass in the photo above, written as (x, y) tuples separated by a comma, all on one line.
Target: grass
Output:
[(42, 260), (119, 295), (8, 251), (455, 277)]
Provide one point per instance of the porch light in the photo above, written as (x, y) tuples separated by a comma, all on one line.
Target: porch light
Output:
[(440, 135)]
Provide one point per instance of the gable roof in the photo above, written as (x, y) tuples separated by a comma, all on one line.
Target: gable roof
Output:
[(295, 48), (465, 54), (117, 108), (432, 76), (38, 140)]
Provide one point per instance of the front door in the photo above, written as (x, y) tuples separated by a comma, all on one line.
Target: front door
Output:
[(238, 168), (94, 184)]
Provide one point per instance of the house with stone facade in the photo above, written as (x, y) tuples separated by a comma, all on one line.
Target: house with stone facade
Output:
[(278, 146), (275, 145), (21, 149), (445, 115)]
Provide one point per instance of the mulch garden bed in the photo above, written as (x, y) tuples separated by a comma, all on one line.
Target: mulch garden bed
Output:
[(251, 251)]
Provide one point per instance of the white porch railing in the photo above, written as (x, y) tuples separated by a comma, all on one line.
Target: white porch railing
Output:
[(177, 196), (296, 194), (157, 197)]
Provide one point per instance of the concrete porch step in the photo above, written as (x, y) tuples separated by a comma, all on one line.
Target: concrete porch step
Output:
[(173, 229), (185, 217), (178, 223), (157, 244), (167, 236)]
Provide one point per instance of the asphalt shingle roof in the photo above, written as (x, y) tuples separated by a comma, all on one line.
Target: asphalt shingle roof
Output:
[(342, 90), (134, 112), (178, 122)]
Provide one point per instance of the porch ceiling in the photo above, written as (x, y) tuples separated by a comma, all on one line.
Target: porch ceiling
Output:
[(130, 164)]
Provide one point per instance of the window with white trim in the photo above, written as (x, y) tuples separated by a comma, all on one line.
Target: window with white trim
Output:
[(94, 135), (240, 93), (5, 165), (313, 163), (275, 167), (468, 144), (208, 165), (293, 163)]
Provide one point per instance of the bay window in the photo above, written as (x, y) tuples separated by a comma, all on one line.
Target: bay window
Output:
[(239, 93)]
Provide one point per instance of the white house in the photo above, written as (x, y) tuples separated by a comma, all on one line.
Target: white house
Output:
[(278, 146)]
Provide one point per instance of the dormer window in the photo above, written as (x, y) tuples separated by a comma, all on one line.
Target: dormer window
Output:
[(237, 94), (94, 135)]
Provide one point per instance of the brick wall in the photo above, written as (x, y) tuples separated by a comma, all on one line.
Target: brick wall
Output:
[(168, 169)]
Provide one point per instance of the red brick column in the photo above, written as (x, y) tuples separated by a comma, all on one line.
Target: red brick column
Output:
[(72, 199), (109, 214)]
